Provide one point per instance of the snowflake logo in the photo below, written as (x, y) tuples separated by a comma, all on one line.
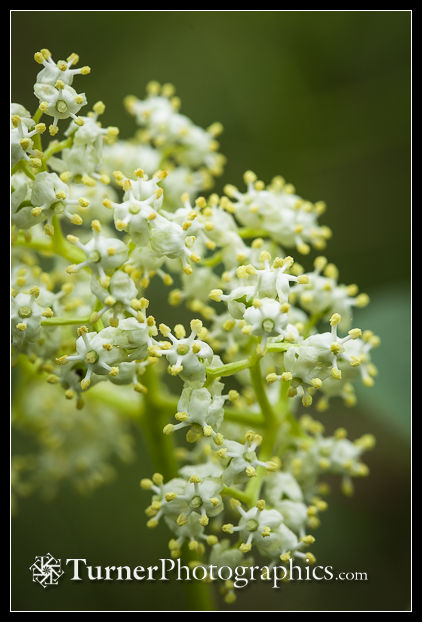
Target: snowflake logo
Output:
[(46, 570)]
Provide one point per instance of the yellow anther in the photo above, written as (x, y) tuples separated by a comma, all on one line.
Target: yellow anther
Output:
[(355, 333), (336, 373), (85, 384), (158, 479), (340, 433), (65, 176), (303, 248), (233, 395), (362, 300), (335, 319), (168, 429), (25, 143), (367, 441), (215, 129), (39, 57), (99, 107), (181, 520), (76, 219), (196, 325), (164, 329), (84, 203), (331, 271), (208, 431), (307, 400), (146, 484), (336, 348), (36, 162), (230, 190), (303, 279), (324, 464), (316, 382)]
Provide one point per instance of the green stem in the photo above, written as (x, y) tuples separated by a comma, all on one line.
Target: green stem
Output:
[(65, 321), (279, 347), (260, 392), (56, 147), (59, 245), (22, 165), (37, 116), (102, 393), (246, 232), (160, 445), (253, 487), (62, 247), (313, 320), (235, 493), (199, 595), (213, 260), (229, 369), (247, 417), (271, 427)]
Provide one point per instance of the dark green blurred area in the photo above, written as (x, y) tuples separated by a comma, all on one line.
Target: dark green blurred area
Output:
[(322, 98)]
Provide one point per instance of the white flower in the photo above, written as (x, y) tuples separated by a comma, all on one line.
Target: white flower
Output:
[(266, 318), (141, 201), (120, 297), (103, 255), (51, 197), (285, 216), (317, 358), (22, 129), (26, 317), (62, 70), (128, 157), (240, 459), (59, 103)]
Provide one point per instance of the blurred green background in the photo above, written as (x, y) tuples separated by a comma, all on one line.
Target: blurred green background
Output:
[(322, 98)]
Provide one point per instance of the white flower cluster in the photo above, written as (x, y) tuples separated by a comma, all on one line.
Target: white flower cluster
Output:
[(260, 353), (69, 446)]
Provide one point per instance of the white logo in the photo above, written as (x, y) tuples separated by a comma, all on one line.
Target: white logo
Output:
[(46, 570)]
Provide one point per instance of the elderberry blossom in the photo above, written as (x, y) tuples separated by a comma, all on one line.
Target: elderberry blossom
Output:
[(57, 98), (94, 221), (276, 209)]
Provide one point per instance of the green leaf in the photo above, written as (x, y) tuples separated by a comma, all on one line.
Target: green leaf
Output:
[(388, 315)]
